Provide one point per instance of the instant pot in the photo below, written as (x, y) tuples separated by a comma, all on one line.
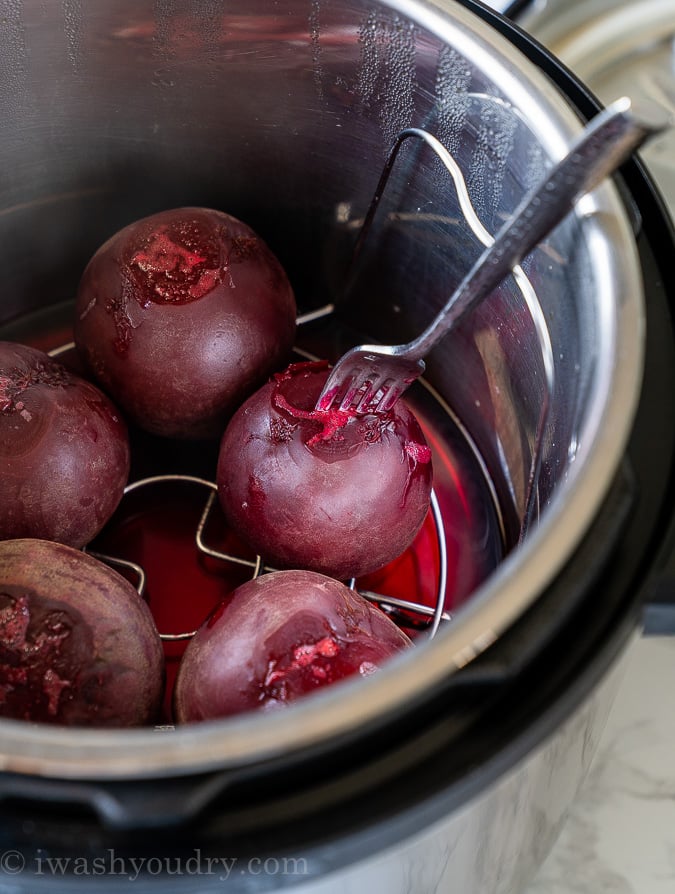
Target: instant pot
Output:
[(548, 412)]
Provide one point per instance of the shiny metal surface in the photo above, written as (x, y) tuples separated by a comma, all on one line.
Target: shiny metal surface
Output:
[(283, 116)]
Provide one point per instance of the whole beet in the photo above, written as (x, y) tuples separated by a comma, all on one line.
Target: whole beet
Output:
[(180, 316), (338, 493), (277, 638), (78, 646), (64, 450)]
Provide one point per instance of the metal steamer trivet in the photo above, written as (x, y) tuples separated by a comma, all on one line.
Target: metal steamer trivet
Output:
[(392, 605)]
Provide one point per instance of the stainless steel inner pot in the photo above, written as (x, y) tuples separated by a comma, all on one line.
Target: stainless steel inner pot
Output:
[(282, 114)]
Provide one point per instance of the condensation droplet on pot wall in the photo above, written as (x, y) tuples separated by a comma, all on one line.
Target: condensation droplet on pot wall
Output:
[(72, 29), (387, 72), (488, 166), (315, 38), (453, 77)]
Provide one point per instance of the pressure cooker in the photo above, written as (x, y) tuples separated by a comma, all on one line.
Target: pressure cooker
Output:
[(548, 409)]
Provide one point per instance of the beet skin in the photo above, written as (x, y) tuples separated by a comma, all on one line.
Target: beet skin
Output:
[(277, 638), (78, 646), (338, 493), (64, 450), (180, 316)]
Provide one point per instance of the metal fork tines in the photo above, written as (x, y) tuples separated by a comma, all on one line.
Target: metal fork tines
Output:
[(371, 378)]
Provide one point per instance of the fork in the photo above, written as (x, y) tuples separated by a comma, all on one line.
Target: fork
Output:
[(371, 378)]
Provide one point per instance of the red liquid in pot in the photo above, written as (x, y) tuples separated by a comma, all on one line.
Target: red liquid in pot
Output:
[(156, 525)]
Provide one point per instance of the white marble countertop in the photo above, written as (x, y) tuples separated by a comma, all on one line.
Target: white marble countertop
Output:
[(619, 837)]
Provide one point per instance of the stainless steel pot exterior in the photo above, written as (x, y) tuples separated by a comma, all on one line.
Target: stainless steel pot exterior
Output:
[(283, 114)]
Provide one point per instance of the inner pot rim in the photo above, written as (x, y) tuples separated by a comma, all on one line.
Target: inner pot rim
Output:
[(347, 707)]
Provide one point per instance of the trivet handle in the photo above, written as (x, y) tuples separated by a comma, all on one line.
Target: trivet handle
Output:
[(606, 142)]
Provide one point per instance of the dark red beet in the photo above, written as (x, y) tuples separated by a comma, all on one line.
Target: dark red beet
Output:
[(180, 316), (78, 645), (64, 450), (279, 637), (338, 493)]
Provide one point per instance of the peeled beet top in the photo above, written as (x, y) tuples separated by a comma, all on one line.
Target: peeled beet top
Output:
[(64, 450), (279, 637), (78, 645), (180, 316), (338, 493)]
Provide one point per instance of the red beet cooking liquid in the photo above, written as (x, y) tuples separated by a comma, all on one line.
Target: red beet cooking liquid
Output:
[(156, 524), (155, 528)]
